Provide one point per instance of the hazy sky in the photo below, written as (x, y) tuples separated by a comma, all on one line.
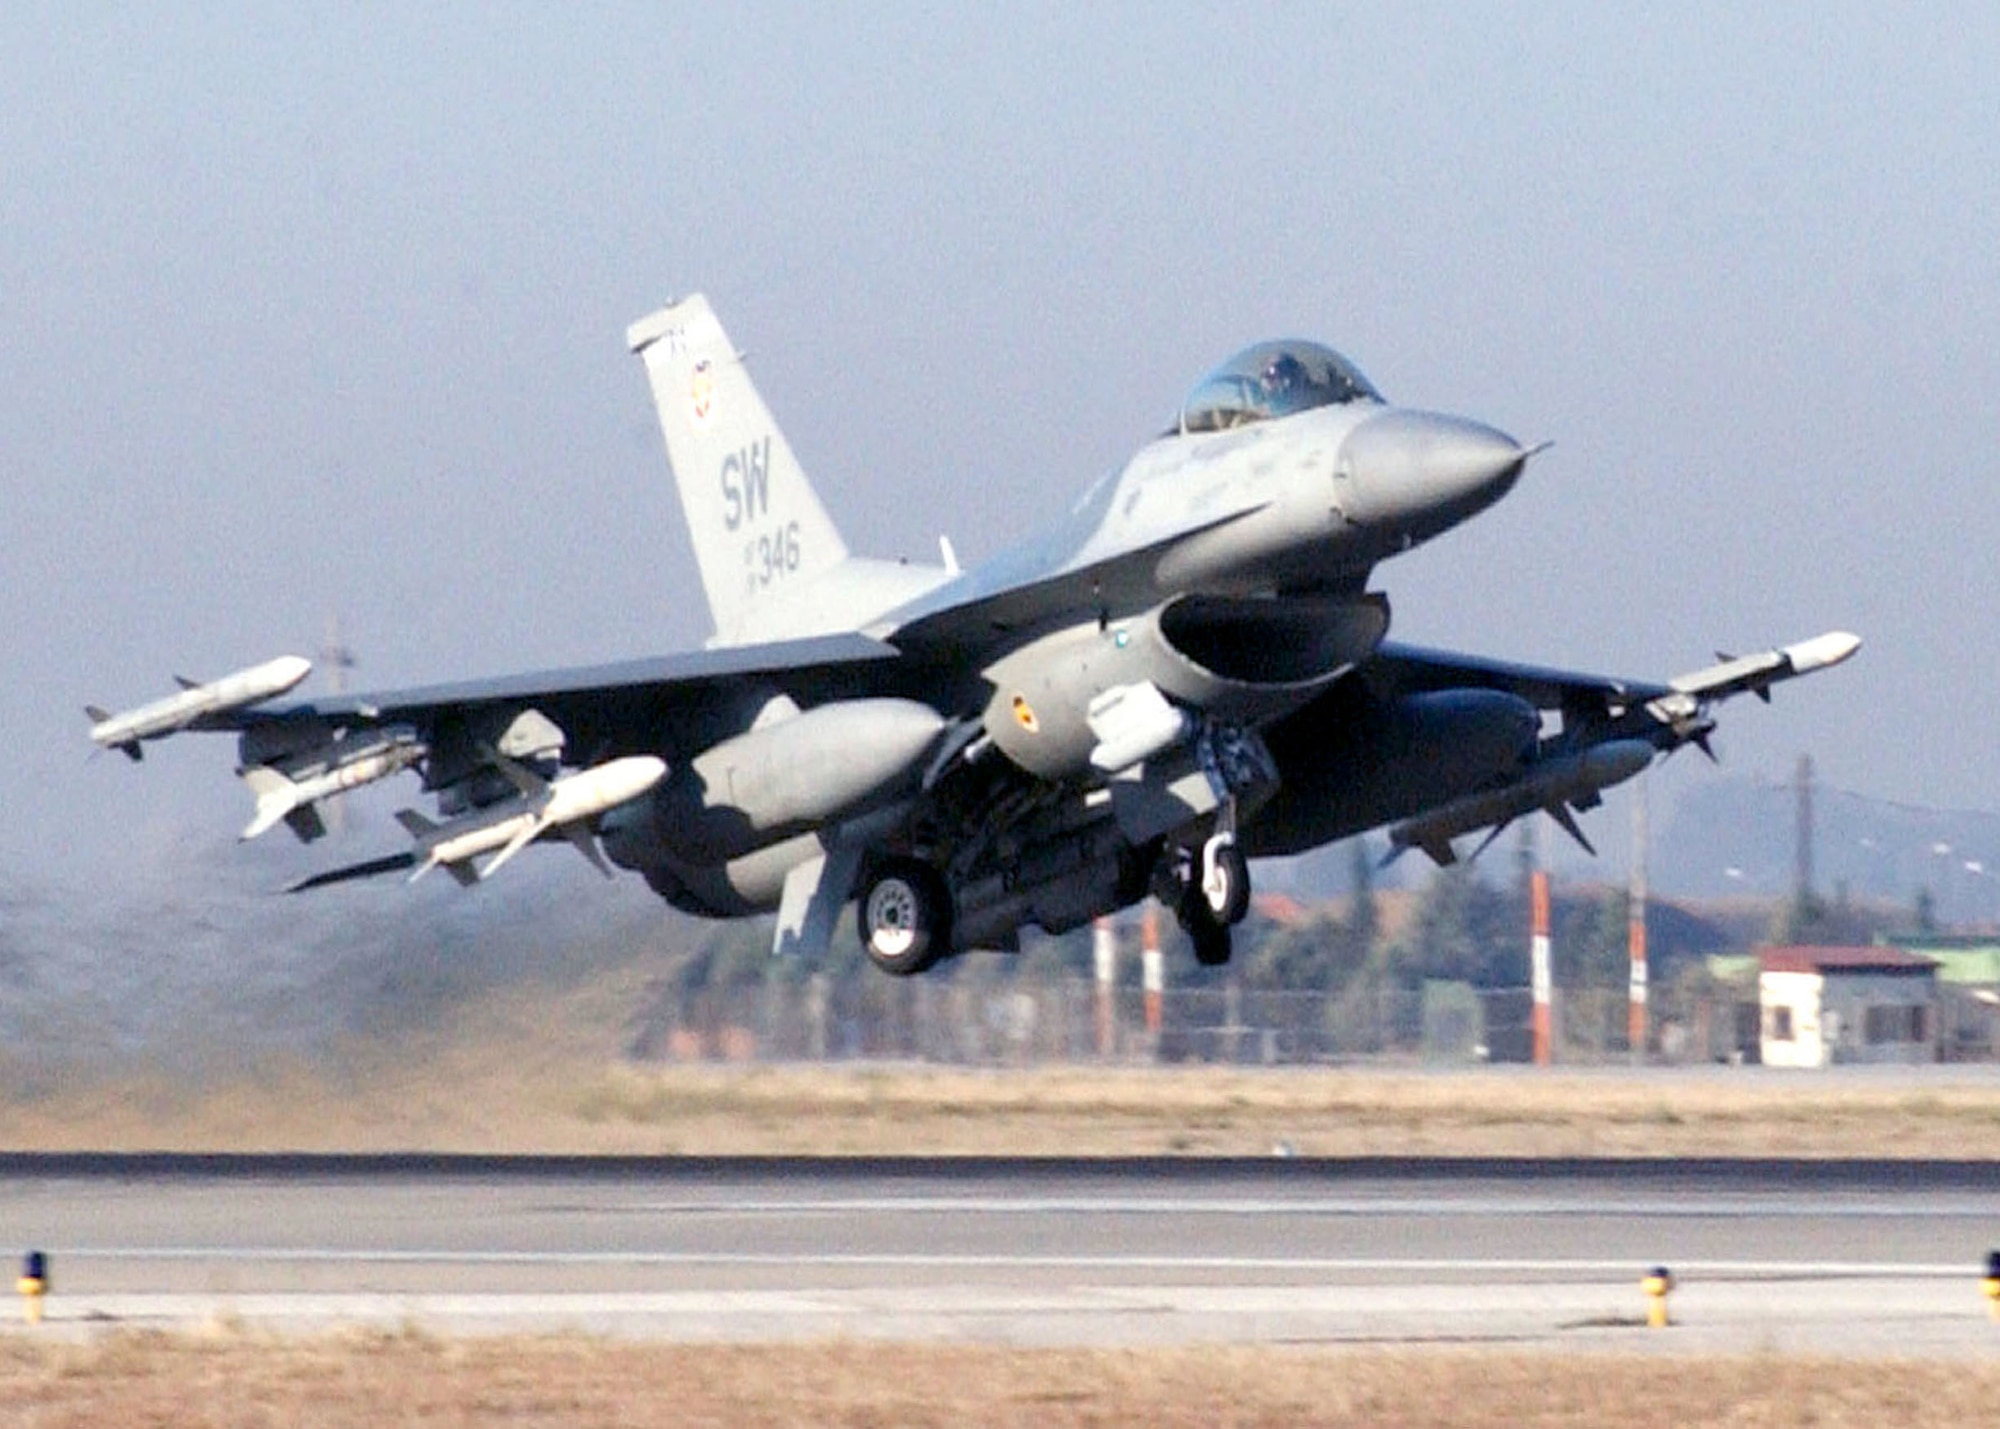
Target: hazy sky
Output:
[(316, 312)]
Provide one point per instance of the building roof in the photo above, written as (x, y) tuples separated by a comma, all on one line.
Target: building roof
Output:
[(1845, 960)]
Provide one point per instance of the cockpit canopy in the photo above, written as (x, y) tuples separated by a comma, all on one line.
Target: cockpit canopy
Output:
[(1273, 379)]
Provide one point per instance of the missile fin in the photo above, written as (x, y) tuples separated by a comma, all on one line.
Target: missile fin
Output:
[(276, 795), (414, 823), (530, 784), (1487, 842), (586, 844), (463, 871), (1559, 811), (529, 829)]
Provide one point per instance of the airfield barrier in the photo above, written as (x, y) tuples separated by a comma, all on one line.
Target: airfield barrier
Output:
[(1222, 1022)]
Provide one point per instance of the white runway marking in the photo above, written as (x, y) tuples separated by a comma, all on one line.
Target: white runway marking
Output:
[(1623, 1269)]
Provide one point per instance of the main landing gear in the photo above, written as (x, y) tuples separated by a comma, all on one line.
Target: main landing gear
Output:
[(1214, 896), (904, 916)]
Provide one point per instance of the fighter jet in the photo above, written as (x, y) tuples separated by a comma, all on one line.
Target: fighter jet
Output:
[(1186, 670)]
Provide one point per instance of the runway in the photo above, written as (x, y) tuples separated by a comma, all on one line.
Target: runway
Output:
[(1878, 1258)]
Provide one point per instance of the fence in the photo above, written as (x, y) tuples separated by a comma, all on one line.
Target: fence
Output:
[(933, 1020)]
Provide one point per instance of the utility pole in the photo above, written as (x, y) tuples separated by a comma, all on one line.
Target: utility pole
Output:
[(335, 660), (1802, 875), (1635, 928)]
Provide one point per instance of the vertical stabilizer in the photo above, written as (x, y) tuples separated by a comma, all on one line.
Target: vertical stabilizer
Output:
[(759, 531)]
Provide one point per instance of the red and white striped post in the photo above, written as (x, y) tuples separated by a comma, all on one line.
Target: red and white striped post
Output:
[(1540, 974), (1104, 952), (1152, 970)]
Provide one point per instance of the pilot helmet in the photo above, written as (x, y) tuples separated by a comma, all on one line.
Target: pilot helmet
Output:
[(1284, 374)]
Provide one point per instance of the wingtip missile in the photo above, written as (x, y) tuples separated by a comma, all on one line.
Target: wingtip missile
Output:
[(124, 730), (1755, 674), (1822, 651)]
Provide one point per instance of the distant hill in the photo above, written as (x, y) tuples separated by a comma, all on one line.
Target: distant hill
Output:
[(1736, 837)]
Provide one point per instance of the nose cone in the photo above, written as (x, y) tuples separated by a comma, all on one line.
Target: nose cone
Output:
[(1414, 474)]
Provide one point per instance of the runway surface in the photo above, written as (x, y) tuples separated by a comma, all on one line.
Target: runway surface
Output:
[(1879, 1258)]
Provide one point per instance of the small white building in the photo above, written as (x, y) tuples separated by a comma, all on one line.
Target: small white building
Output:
[(1823, 1006)]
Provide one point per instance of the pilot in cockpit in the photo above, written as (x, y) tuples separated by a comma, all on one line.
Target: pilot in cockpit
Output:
[(1282, 383)]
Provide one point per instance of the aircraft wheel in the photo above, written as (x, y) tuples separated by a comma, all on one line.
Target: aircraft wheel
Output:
[(1212, 945), (904, 917), (1226, 896)]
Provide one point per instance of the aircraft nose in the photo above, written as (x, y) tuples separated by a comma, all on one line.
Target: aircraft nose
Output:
[(1419, 473)]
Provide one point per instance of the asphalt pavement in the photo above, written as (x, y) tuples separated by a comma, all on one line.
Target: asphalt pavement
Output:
[(1851, 1258)]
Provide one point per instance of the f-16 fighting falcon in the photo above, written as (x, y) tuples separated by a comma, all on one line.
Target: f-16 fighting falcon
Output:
[(1186, 671)]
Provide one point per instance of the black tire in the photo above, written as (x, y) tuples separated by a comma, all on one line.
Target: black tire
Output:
[(1212, 944), (904, 917)]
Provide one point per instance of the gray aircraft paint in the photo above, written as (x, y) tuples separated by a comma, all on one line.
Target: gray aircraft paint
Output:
[(1185, 667)]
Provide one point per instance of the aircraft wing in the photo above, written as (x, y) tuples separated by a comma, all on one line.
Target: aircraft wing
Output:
[(629, 706), (1412, 669), (1666, 713), (1610, 729)]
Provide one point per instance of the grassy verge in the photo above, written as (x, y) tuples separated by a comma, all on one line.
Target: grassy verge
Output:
[(451, 1101), (229, 1378), (533, 1073)]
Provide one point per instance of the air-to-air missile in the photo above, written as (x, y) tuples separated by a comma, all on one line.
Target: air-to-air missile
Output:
[(1554, 785), (288, 791), (176, 712), (565, 805)]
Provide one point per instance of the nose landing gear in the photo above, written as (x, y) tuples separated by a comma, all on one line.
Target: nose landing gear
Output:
[(1214, 894)]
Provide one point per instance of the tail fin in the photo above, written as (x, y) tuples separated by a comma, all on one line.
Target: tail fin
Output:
[(757, 527)]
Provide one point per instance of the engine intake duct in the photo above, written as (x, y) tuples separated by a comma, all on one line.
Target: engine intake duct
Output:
[(1234, 659), (1260, 641)]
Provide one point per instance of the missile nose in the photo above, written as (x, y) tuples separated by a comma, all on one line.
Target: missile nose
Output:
[(1418, 473)]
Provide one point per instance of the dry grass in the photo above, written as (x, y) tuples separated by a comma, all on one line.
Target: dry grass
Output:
[(526, 1072), (524, 1100), (228, 1378), (1332, 1112)]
